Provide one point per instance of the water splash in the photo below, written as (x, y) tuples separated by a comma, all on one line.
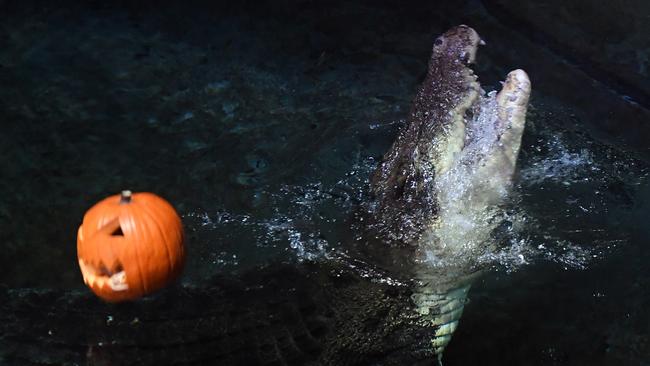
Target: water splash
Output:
[(470, 192), (567, 191), (559, 165)]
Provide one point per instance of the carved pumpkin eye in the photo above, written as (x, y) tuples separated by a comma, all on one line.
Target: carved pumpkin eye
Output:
[(130, 245), (118, 232)]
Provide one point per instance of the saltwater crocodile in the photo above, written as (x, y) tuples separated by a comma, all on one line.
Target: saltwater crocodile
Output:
[(434, 197), (439, 187)]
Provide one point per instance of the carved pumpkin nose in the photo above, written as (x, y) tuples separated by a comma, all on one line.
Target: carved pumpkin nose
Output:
[(130, 245)]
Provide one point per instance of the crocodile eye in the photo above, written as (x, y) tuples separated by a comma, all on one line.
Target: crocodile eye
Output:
[(464, 57)]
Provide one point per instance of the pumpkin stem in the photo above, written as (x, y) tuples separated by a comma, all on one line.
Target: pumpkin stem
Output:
[(125, 197)]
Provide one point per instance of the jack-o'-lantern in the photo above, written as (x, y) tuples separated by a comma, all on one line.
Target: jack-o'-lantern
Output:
[(130, 245)]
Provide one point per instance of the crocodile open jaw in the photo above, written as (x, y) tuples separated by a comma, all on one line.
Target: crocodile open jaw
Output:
[(454, 132), (438, 188)]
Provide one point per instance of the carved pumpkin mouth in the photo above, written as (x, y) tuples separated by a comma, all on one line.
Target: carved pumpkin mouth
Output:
[(100, 277)]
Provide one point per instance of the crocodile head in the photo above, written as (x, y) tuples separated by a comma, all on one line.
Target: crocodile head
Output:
[(451, 165)]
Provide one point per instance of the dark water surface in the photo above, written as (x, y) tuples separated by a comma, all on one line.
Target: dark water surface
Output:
[(261, 122)]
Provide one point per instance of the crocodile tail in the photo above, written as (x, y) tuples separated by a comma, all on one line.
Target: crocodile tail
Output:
[(441, 309)]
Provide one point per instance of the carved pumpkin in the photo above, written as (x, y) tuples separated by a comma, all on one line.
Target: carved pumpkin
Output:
[(130, 245)]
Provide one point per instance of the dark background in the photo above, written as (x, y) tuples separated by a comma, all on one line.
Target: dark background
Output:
[(218, 106)]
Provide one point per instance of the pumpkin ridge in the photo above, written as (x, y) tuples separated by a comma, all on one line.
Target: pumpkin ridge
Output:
[(157, 222), (128, 214)]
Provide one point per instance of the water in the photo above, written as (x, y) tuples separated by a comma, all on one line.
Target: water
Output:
[(263, 136)]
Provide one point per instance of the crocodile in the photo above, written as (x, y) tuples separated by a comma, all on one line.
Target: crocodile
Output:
[(439, 188)]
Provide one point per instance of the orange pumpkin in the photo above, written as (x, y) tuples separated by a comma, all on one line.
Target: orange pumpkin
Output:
[(130, 245)]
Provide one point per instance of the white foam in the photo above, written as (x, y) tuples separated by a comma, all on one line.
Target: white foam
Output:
[(559, 166)]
